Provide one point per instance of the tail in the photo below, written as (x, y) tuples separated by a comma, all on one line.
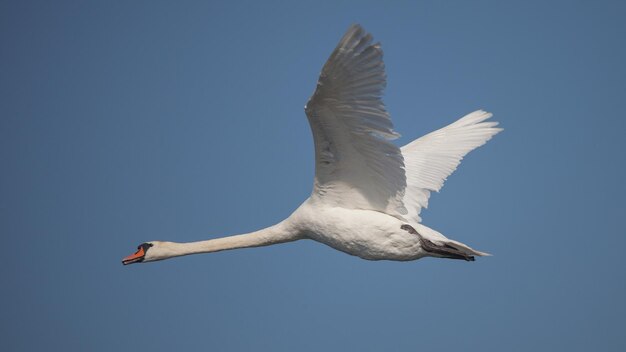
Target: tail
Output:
[(441, 246)]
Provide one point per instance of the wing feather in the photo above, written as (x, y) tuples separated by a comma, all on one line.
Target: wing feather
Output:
[(432, 158), (356, 165)]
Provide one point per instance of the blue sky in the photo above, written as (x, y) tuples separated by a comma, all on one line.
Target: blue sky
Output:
[(122, 122)]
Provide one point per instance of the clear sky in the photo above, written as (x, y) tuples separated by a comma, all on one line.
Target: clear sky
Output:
[(123, 122)]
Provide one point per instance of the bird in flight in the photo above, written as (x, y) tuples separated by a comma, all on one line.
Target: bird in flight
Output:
[(367, 193)]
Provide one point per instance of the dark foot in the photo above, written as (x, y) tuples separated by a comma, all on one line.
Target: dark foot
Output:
[(444, 250)]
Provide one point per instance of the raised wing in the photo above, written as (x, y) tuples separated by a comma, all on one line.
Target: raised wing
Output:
[(432, 158), (356, 165)]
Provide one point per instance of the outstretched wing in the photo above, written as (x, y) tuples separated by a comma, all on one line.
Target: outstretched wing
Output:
[(356, 165), (432, 158)]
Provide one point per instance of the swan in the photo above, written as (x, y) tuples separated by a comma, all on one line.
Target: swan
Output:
[(367, 193)]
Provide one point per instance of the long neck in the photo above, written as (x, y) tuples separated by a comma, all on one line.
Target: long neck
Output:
[(278, 233)]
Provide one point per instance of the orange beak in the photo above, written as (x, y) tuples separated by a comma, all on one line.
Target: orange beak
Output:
[(134, 258)]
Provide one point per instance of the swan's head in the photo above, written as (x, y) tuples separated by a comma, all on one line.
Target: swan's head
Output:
[(144, 254), (152, 251)]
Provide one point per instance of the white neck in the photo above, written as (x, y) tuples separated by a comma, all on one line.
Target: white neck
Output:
[(278, 233)]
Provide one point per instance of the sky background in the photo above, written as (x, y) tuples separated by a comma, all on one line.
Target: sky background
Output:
[(123, 122)]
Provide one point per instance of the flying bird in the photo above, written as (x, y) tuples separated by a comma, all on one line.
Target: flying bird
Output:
[(367, 193)]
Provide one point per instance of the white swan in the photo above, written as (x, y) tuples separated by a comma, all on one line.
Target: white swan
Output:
[(367, 193)]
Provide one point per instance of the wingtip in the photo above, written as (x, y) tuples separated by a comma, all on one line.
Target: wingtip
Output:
[(355, 29), (355, 26), (484, 114)]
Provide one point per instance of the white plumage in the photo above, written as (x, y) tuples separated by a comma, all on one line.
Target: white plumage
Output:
[(367, 193), (356, 165), (430, 159)]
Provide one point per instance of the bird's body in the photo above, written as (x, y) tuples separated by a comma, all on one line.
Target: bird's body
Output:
[(367, 193), (366, 234)]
